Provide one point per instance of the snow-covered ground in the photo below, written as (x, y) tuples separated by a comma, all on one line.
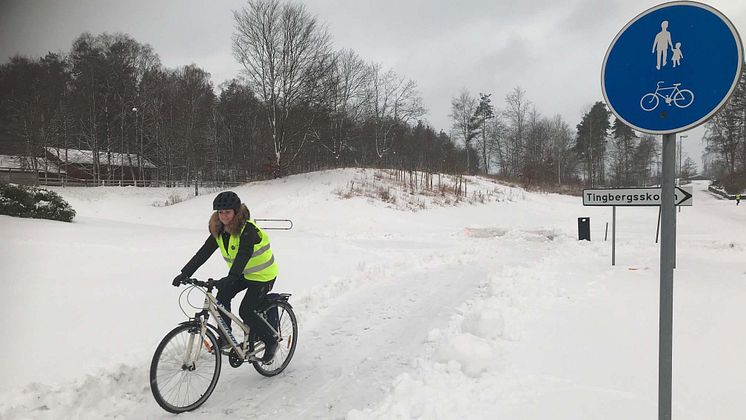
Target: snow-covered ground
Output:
[(484, 311)]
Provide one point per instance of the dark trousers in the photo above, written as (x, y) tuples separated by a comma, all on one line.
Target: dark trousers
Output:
[(255, 292)]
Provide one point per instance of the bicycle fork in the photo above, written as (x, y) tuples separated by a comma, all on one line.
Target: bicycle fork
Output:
[(192, 350)]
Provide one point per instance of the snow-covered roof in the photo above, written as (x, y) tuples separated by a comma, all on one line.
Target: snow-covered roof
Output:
[(25, 164), (85, 157)]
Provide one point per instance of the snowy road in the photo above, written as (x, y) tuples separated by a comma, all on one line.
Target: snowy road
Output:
[(484, 311)]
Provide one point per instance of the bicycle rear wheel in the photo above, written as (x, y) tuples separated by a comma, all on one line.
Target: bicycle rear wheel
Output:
[(287, 327), (185, 368), (683, 98), (649, 102)]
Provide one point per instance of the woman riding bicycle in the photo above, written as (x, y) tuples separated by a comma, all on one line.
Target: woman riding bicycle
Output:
[(245, 247)]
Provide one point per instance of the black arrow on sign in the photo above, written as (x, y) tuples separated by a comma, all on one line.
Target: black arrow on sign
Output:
[(686, 196)]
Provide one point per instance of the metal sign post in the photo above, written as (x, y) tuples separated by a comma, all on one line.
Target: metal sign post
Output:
[(668, 243), (688, 75)]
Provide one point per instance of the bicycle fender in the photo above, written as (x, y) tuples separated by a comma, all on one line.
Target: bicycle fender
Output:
[(274, 298), (277, 297)]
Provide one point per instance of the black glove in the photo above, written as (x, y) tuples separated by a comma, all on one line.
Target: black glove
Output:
[(178, 279), (226, 282)]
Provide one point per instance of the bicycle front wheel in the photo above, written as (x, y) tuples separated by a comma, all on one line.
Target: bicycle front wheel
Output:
[(281, 316), (649, 102), (185, 368)]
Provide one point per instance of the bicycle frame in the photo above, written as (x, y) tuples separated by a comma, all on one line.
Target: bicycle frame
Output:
[(674, 90), (212, 307)]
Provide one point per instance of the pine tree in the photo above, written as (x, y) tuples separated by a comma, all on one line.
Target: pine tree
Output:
[(590, 142), (484, 112)]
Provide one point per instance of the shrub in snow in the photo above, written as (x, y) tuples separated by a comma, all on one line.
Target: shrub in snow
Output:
[(37, 203), (733, 183)]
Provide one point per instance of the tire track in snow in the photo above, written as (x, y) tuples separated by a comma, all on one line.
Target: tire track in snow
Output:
[(347, 357)]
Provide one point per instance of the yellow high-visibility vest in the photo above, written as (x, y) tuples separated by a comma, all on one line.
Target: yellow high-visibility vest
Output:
[(261, 266)]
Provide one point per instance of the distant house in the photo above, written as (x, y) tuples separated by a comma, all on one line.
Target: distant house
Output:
[(79, 164), (22, 170)]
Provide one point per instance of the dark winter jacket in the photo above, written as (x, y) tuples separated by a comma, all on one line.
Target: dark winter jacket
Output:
[(217, 229)]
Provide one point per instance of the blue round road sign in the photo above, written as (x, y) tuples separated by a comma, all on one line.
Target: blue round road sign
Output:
[(672, 67)]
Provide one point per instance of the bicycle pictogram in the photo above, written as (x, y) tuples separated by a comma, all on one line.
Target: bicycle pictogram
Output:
[(682, 98)]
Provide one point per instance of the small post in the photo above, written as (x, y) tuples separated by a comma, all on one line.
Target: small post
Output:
[(584, 228), (675, 225), (606, 231), (658, 226)]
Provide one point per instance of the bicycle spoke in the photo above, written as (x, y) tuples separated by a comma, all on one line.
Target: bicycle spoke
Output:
[(181, 381)]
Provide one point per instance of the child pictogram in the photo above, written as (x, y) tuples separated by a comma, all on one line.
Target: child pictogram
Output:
[(677, 55)]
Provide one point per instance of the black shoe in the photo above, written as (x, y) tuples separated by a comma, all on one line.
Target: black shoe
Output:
[(223, 345), (269, 351)]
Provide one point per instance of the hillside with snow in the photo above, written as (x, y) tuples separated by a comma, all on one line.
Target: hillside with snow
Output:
[(409, 305)]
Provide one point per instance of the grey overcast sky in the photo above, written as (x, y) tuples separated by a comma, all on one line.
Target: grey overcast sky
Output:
[(551, 49)]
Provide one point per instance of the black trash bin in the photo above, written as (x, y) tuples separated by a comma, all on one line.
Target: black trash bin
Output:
[(584, 228)]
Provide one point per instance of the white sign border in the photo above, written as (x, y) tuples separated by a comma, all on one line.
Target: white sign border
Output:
[(704, 119)]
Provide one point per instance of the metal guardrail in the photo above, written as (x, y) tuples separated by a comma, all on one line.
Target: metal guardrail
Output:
[(23, 177), (721, 193)]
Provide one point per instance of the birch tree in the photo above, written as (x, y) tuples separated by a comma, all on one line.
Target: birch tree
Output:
[(284, 51), (346, 97), (516, 117), (463, 108), (394, 100)]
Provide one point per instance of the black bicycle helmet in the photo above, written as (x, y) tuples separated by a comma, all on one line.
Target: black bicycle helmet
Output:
[(226, 200)]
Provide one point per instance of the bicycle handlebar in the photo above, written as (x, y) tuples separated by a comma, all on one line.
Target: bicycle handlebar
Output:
[(209, 283)]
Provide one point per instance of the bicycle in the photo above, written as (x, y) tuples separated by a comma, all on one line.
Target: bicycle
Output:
[(682, 98), (186, 364)]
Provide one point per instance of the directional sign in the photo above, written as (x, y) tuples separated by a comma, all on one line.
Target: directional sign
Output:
[(634, 197), (672, 67)]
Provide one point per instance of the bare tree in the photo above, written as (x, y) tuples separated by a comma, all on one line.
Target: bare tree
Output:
[(688, 169), (463, 108), (624, 142), (644, 160), (538, 147), (284, 51), (496, 131), (516, 114), (564, 159), (394, 100), (346, 97), (726, 130)]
